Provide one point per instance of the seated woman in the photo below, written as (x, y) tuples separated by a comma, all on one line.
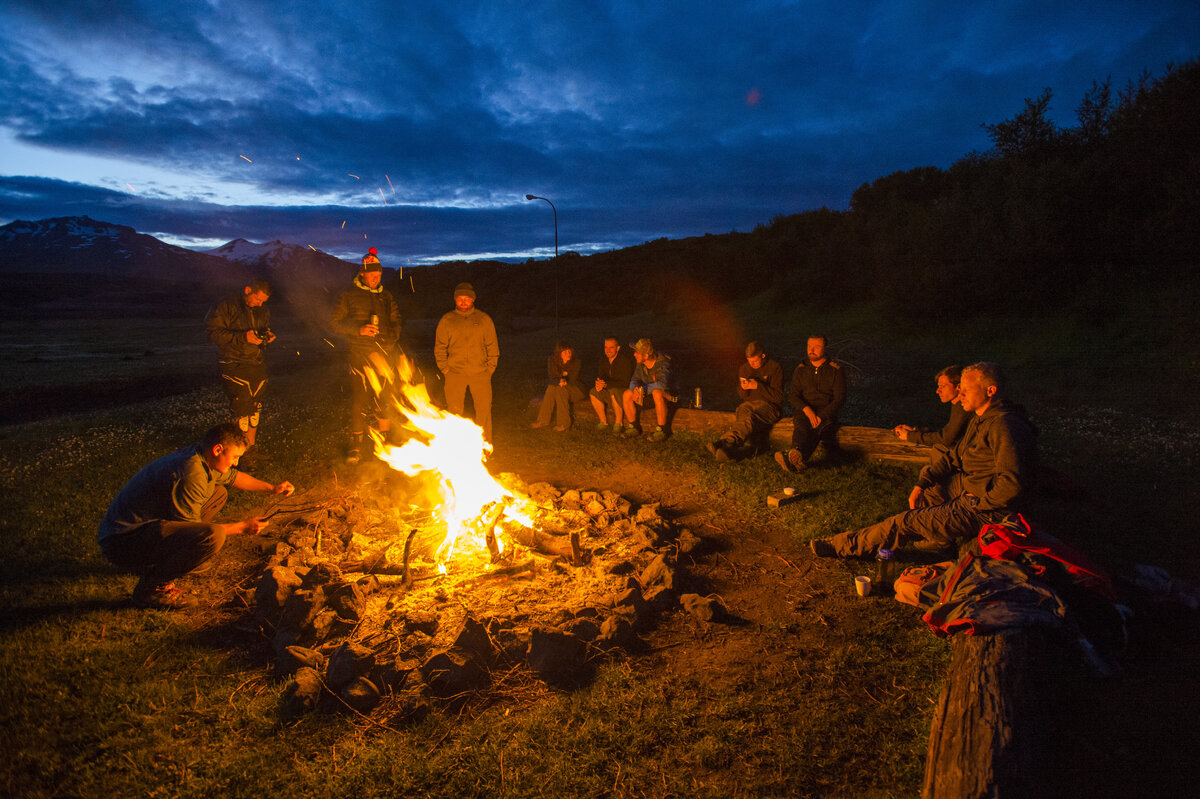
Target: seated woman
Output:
[(562, 389)]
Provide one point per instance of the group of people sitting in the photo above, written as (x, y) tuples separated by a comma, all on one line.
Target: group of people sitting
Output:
[(980, 471), (624, 380)]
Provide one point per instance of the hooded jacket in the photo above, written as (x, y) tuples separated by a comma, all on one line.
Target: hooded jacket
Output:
[(994, 460)]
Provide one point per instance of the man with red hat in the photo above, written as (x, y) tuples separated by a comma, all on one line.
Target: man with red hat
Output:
[(367, 315)]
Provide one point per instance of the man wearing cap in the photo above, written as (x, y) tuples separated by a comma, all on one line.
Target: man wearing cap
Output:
[(240, 326), (652, 376), (760, 385), (466, 351), (367, 315)]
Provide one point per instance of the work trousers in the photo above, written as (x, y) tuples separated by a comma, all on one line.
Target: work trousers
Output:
[(751, 417), (480, 385), (937, 518), (161, 551)]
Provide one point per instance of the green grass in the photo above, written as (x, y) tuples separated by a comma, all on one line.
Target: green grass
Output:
[(99, 699)]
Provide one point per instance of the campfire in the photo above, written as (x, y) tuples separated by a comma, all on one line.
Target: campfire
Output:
[(426, 587)]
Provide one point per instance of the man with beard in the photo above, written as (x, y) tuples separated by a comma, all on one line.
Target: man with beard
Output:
[(240, 326), (817, 393), (467, 352), (367, 315)]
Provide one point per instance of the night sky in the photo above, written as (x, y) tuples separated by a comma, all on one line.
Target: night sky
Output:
[(419, 128)]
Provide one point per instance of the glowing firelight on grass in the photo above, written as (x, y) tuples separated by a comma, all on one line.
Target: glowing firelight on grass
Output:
[(449, 451)]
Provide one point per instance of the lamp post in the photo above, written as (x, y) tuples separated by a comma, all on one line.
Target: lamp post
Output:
[(555, 210)]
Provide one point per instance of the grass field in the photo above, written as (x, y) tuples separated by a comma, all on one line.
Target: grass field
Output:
[(821, 695)]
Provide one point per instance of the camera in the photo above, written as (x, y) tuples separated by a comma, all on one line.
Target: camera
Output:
[(263, 333)]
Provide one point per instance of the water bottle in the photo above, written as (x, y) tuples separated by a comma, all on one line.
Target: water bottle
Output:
[(884, 569)]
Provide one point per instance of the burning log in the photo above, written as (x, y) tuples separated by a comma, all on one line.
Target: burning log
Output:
[(544, 543)]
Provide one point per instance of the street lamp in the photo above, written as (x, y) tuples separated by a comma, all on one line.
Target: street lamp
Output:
[(555, 210)]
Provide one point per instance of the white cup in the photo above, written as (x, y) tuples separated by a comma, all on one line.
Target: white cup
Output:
[(862, 585), (789, 491)]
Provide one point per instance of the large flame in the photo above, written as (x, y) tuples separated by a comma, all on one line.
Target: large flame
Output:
[(449, 451)]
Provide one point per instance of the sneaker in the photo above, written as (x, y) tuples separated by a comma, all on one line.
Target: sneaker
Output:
[(617, 428), (822, 548), (602, 426), (161, 597), (629, 431), (658, 435)]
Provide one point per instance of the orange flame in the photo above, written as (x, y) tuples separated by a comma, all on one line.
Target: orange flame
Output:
[(449, 451)]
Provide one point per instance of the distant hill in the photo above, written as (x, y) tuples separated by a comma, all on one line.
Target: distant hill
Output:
[(81, 245)]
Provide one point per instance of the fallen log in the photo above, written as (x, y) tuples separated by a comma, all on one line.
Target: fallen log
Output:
[(984, 740), (871, 442)]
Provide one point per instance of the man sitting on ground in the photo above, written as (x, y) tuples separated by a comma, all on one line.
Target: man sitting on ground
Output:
[(947, 391), (613, 374), (760, 385), (160, 525), (985, 477), (817, 393), (651, 375)]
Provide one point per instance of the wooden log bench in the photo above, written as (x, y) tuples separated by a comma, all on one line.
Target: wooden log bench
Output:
[(870, 442)]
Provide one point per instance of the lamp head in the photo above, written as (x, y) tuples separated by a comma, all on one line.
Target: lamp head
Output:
[(530, 197)]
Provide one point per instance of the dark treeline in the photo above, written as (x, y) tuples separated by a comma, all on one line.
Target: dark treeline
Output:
[(1048, 218)]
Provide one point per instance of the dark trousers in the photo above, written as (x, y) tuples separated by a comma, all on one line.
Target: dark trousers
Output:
[(805, 437), (245, 385), (161, 551), (751, 418)]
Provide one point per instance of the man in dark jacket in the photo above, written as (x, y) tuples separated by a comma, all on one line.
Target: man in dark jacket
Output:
[(367, 315), (817, 393), (947, 391), (240, 326), (760, 385), (613, 374), (981, 480)]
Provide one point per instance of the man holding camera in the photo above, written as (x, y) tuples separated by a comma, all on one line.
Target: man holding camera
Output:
[(240, 326)]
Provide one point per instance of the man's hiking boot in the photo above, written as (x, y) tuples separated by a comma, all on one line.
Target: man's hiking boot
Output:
[(602, 426), (822, 548), (354, 452), (161, 597), (630, 431), (658, 435), (790, 461), (617, 428)]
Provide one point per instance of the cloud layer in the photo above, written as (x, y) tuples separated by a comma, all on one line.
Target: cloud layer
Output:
[(419, 128)]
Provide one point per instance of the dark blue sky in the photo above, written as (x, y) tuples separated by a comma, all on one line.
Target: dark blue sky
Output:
[(419, 128)]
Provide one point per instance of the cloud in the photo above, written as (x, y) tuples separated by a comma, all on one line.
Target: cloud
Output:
[(634, 117)]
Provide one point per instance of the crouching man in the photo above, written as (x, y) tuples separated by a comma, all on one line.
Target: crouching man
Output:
[(983, 478), (160, 525)]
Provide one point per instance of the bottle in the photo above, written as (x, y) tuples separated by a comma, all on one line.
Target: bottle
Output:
[(373, 320), (884, 569)]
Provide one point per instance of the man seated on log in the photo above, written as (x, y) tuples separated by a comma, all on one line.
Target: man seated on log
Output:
[(760, 385), (652, 375), (947, 391), (817, 393), (613, 374), (160, 525), (985, 477)]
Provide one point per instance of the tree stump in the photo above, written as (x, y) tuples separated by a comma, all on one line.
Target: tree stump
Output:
[(985, 738)]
